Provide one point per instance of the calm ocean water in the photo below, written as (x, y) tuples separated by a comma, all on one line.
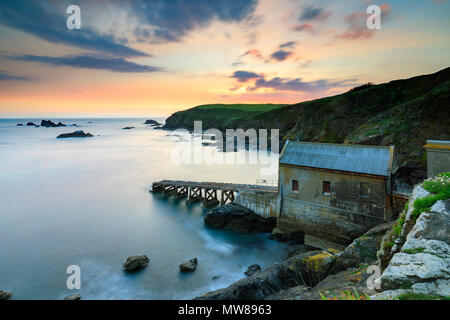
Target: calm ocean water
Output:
[(86, 202)]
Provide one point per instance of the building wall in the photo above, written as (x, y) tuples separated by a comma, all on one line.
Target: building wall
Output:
[(438, 160), (340, 216), (265, 204)]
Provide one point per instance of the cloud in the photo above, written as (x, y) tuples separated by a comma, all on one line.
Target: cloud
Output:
[(244, 76), (280, 55), (289, 44), (357, 28), (90, 62), (6, 77), (313, 13), (167, 21), (254, 53), (291, 84), (304, 27), (36, 18)]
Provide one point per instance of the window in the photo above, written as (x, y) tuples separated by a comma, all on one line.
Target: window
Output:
[(364, 189), (295, 185), (326, 188)]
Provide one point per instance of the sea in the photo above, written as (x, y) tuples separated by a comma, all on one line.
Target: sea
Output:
[(86, 202)]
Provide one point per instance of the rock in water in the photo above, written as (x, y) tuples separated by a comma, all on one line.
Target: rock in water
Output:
[(294, 237), (5, 295), (49, 123), (252, 269), (152, 122), (136, 262), (31, 124), (73, 297), (127, 128), (19, 125), (188, 266), (75, 134), (240, 219)]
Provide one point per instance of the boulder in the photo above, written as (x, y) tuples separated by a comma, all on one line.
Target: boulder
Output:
[(135, 263), (73, 297), (189, 266), (75, 134), (4, 295), (31, 124), (240, 219), (252, 269)]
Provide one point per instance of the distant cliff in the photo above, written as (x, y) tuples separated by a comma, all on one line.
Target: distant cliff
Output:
[(404, 113)]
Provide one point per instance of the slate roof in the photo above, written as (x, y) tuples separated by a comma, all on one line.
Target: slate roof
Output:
[(372, 160)]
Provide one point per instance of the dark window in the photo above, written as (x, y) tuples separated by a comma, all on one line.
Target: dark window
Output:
[(364, 189), (326, 187), (294, 185)]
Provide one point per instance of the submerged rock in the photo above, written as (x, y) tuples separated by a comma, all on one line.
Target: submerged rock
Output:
[(189, 266), (252, 269), (134, 263), (75, 134), (240, 219), (152, 122), (4, 295), (73, 297)]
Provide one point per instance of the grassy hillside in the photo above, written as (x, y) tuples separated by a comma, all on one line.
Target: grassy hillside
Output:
[(403, 113)]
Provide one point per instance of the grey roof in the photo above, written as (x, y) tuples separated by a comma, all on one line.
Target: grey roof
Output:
[(371, 160)]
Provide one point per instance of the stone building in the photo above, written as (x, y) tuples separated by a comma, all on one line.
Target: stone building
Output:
[(334, 191), (438, 157)]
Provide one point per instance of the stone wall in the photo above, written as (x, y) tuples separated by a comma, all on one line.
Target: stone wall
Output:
[(265, 204)]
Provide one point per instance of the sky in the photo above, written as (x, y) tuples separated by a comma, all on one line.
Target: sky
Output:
[(155, 57)]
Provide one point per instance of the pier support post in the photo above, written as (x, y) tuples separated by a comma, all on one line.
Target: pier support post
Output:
[(180, 192), (226, 195), (194, 195), (210, 199)]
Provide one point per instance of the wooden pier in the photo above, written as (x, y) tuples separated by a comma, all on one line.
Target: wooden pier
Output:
[(206, 192)]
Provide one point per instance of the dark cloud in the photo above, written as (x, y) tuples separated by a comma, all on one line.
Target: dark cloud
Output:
[(304, 27), (90, 62), (244, 76), (35, 18), (171, 20), (6, 76), (280, 55), (313, 13), (297, 84), (289, 44)]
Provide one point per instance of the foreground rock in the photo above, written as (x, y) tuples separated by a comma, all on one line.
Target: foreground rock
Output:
[(4, 295), (189, 266), (252, 269), (51, 124), (135, 263), (423, 264), (152, 122), (240, 219), (75, 134), (73, 297), (306, 269)]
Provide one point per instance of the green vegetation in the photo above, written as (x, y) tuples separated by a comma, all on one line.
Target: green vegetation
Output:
[(242, 107), (346, 295), (414, 251), (439, 186), (420, 296)]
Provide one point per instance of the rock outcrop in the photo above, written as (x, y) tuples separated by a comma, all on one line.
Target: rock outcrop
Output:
[(240, 219), (252, 269), (73, 297), (4, 295), (135, 263), (152, 122), (31, 124), (51, 124), (75, 134), (422, 266), (189, 266)]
